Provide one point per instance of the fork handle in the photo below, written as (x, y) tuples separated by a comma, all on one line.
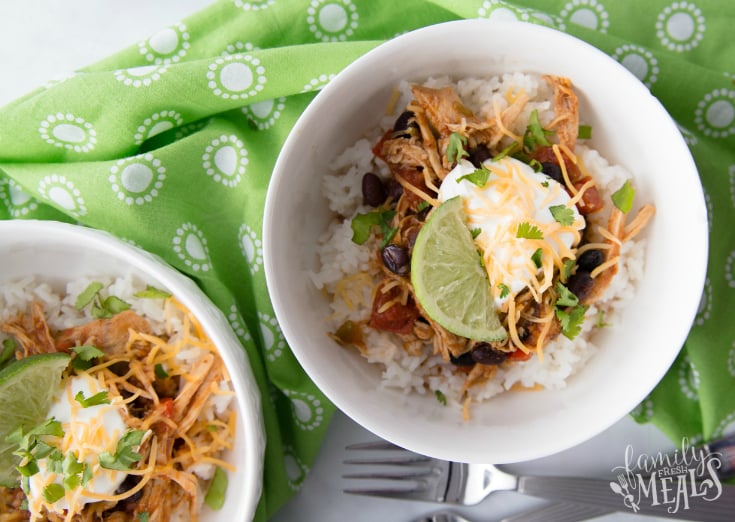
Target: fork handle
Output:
[(598, 492)]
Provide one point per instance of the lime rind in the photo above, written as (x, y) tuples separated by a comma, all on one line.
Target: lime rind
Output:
[(27, 388), (449, 280)]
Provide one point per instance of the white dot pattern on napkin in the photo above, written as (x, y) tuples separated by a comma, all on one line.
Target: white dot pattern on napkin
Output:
[(680, 26), (688, 378), (586, 13), (251, 248), (715, 113), (142, 76), (68, 131), (190, 245), (307, 409), (265, 113), (639, 61), (225, 160), (62, 192), (705, 304), (169, 45), (157, 123), (254, 5), (332, 20), (237, 324), (296, 470), (236, 76), (137, 180), (17, 201), (318, 83), (273, 339)]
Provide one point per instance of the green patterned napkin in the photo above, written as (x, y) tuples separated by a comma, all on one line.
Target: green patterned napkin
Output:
[(170, 143)]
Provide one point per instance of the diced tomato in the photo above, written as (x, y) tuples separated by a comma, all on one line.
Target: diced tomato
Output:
[(398, 318), (520, 355), (167, 405), (591, 201)]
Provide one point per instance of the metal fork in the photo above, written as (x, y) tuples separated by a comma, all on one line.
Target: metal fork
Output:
[(433, 480)]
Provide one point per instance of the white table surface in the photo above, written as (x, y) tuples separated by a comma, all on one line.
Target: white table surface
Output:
[(42, 39)]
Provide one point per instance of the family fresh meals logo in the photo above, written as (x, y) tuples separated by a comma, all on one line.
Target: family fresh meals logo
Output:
[(670, 480)]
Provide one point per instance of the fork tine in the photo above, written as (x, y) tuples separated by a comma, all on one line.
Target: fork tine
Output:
[(392, 475), (408, 494), (374, 445), (407, 460)]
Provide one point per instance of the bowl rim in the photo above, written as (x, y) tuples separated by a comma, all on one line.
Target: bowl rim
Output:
[(280, 178), (151, 266)]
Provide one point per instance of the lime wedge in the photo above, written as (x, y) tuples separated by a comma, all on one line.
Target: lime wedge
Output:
[(27, 387), (448, 278)]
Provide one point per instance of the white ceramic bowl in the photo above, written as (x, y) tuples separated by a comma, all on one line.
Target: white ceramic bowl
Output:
[(631, 128), (56, 253)]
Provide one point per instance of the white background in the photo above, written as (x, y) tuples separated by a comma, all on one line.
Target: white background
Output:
[(40, 40)]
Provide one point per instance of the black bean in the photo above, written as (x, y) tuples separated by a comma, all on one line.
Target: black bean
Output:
[(552, 170), (463, 360), (479, 154), (394, 189), (129, 483), (396, 259), (581, 284), (590, 260), (483, 353), (373, 190), (404, 123)]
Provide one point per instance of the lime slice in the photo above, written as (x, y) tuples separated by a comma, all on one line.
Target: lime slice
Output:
[(448, 278), (27, 388)]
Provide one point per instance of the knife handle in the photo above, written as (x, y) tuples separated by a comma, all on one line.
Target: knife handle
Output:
[(726, 448)]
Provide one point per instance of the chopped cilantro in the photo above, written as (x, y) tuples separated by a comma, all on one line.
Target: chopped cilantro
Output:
[(88, 295), (623, 197), (362, 224), (455, 147), (124, 456), (571, 321), (84, 356), (440, 397), (478, 176), (160, 371), (504, 290), (151, 292), (535, 134), (94, 400), (528, 231), (584, 132), (565, 296), (545, 183), (562, 214), (536, 257), (566, 269), (600, 323), (537, 167), (476, 232), (142, 516), (423, 205), (53, 492)]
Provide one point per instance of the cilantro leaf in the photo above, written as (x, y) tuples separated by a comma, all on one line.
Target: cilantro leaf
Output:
[(115, 305), (440, 397), (423, 205), (528, 231), (623, 197), (535, 134), (571, 321), (601, 320), (536, 257), (566, 270), (94, 400), (151, 292), (124, 456), (507, 151), (455, 147), (160, 371), (504, 290), (478, 176), (476, 232), (53, 492), (362, 225), (584, 132), (142, 516), (88, 294), (84, 356), (565, 296), (562, 214)]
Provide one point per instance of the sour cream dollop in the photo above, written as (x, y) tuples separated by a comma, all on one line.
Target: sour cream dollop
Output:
[(87, 433), (513, 196)]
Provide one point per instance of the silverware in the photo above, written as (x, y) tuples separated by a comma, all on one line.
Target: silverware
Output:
[(417, 477), (552, 512)]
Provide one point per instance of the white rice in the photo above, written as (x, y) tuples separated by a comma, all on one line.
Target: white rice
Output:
[(340, 258)]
